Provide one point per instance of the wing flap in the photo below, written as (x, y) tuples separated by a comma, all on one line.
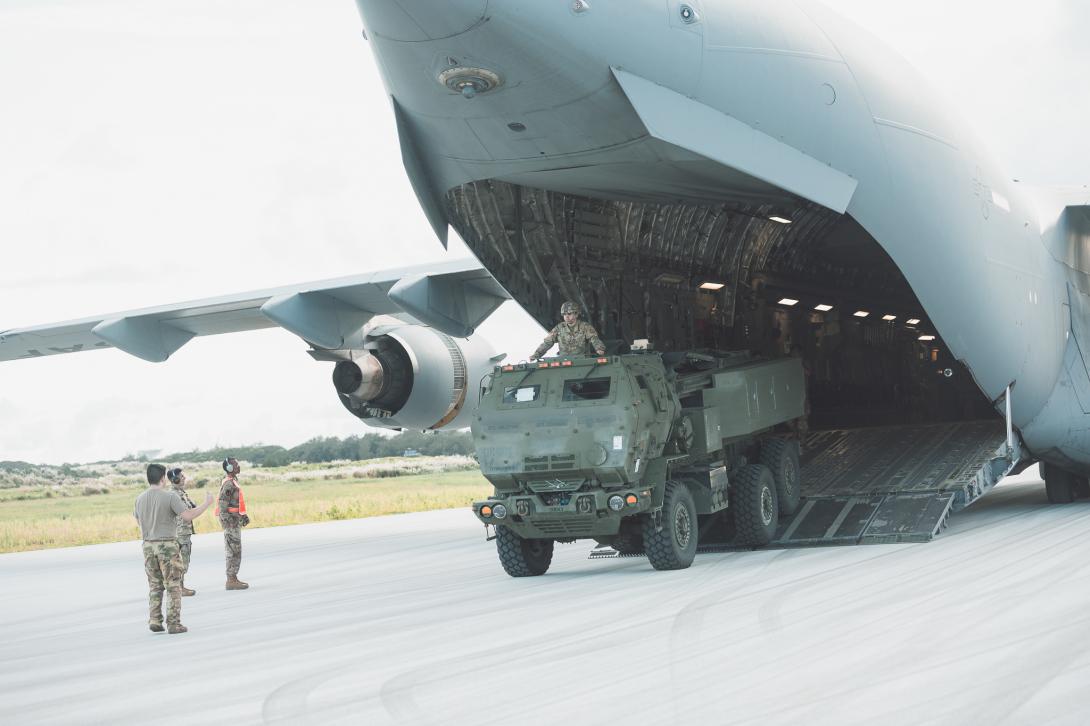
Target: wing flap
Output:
[(144, 337)]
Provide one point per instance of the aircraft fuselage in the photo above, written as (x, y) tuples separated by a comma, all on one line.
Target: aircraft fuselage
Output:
[(639, 147)]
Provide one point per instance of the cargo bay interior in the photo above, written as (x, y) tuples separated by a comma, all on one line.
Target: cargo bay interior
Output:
[(776, 279)]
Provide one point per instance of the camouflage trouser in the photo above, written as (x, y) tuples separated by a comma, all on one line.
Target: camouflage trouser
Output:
[(163, 566), (232, 547), (185, 545)]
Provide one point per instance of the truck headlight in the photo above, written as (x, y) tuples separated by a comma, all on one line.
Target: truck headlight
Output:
[(616, 502), (499, 511)]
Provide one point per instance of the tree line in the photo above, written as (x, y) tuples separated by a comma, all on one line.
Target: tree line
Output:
[(324, 449)]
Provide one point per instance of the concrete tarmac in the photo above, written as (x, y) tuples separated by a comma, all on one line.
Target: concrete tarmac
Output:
[(410, 620)]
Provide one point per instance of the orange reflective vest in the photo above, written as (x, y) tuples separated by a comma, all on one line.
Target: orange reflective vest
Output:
[(241, 508)]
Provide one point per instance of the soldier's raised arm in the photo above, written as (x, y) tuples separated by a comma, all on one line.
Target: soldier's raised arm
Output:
[(549, 342), (190, 514)]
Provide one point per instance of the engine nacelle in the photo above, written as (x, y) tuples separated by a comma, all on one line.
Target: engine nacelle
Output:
[(413, 377)]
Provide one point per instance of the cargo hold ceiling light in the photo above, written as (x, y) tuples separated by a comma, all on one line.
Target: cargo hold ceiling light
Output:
[(912, 321), (926, 338), (861, 313), (789, 302), (889, 318), (714, 286), (470, 81), (823, 308), (780, 220)]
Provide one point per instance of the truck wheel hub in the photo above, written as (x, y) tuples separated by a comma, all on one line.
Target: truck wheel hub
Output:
[(683, 526), (766, 506)]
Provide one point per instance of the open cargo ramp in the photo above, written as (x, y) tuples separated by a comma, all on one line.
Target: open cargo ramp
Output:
[(894, 483), (887, 484)]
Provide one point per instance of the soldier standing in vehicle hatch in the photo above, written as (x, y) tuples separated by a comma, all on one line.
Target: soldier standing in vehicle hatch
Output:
[(573, 335)]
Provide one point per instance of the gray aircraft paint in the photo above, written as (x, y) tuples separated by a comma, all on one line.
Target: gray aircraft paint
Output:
[(430, 311), (993, 263)]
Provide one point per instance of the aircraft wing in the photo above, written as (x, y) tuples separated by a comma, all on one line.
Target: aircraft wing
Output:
[(453, 297)]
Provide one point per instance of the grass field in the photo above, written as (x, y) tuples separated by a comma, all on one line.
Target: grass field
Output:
[(94, 511)]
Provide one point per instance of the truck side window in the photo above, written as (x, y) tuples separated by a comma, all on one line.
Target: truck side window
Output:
[(586, 389), (523, 394)]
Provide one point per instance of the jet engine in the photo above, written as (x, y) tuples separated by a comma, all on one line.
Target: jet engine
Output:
[(413, 377)]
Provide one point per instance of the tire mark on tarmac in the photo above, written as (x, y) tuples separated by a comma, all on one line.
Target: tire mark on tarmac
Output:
[(688, 630)]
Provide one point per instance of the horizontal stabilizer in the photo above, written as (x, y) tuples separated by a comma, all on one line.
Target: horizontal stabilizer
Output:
[(453, 296)]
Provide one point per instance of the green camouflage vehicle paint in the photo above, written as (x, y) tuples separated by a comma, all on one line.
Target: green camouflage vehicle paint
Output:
[(578, 447)]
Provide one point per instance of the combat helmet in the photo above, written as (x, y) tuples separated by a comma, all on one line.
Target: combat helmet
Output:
[(571, 307)]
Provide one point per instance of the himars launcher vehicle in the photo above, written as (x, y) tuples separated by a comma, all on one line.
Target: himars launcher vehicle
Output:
[(757, 175), (645, 452)]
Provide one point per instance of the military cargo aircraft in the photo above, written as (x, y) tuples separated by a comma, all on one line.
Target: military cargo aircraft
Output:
[(728, 174)]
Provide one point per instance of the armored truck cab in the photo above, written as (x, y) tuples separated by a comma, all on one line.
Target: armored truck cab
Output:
[(642, 451)]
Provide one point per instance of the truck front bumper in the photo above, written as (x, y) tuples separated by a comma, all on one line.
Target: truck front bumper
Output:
[(575, 515)]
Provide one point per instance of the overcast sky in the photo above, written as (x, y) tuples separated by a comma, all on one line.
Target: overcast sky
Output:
[(165, 150)]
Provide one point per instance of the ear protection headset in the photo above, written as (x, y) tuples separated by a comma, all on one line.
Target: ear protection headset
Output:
[(228, 466), (174, 474)]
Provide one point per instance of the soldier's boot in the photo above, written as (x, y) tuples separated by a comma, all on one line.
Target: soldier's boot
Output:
[(233, 583), (176, 628), (155, 627), (186, 592)]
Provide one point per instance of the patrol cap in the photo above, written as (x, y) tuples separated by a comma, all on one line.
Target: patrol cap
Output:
[(570, 307)]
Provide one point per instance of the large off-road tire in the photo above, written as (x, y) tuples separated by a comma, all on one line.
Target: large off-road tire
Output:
[(781, 456), (756, 507), (1059, 484), (673, 546), (523, 557)]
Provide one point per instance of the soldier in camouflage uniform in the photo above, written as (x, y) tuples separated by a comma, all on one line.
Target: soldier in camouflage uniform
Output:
[(155, 510), (231, 510), (185, 529), (574, 336)]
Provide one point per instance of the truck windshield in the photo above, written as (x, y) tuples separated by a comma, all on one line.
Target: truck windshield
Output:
[(521, 394), (589, 389)]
